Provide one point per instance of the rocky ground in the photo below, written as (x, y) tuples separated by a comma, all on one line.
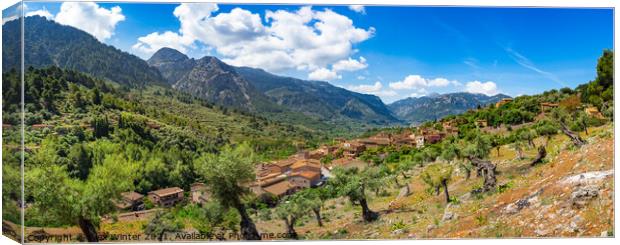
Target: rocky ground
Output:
[(569, 195)]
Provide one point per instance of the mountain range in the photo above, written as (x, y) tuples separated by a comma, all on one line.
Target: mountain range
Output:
[(48, 43), (210, 78), (435, 106)]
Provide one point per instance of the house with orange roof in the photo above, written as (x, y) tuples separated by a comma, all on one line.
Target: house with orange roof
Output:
[(166, 197), (503, 102), (594, 112), (284, 164), (547, 106), (306, 165), (305, 179), (264, 169), (352, 149), (130, 201)]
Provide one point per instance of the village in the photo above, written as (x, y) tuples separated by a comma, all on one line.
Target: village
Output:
[(311, 169)]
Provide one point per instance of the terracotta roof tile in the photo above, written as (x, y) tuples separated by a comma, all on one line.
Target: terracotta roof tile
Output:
[(167, 191)]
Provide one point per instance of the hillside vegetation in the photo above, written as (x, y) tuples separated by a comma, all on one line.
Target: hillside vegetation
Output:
[(510, 171)]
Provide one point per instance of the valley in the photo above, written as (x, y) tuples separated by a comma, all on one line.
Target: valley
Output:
[(173, 148)]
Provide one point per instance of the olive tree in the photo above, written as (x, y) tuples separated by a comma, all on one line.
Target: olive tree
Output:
[(228, 175), (437, 176), (562, 117), (161, 224), (292, 209), (353, 184), (59, 197), (316, 197)]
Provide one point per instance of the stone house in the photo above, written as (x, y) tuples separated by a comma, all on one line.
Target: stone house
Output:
[(132, 201), (199, 193), (166, 197)]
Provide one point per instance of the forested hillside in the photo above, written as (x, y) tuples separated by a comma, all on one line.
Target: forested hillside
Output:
[(49, 43)]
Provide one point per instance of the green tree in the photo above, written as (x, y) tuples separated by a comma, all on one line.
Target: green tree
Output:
[(562, 117), (546, 128), (605, 69), (101, 126), (61, 198), (528, 135), (437, 176), (80, 162), (96, 97), (316, 197), (292, 209), (161, 224), (518, 147), (353, 184), (479, 147), (449, 152), (228, 174)]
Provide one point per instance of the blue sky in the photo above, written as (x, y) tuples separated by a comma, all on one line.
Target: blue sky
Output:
[(392, 52)]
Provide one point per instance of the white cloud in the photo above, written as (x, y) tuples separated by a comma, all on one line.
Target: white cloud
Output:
[(323, 74), (358, 8), (418, 82), (350, 64), (150, 43), (41, 12), (439, 82), (374, 89), (305, 39), (367, 88), (361, 77), (487, 88), (87, 16), (410, 82), (9, 18), (419, 93)]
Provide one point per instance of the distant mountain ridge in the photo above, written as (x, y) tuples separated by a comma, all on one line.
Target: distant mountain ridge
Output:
[(214, 80), (319, 98), (437, 106)]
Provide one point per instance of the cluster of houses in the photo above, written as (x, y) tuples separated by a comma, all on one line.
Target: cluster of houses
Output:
[(305, 169), (167, 197), (284, 177)]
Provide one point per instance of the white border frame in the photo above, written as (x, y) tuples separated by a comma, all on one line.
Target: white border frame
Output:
[(472, 3)]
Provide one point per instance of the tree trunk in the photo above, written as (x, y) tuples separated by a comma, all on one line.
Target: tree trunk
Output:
[(542, 153), (290, 228), (437, 190), (487, 170), (396, 181), (531, 142), (404, 175), (498, 151), (585, 127), (467, 174), (89, 230), (577, 141), (248, 229), (367, 214), (317, 214), (444, 182), (160, 237)]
